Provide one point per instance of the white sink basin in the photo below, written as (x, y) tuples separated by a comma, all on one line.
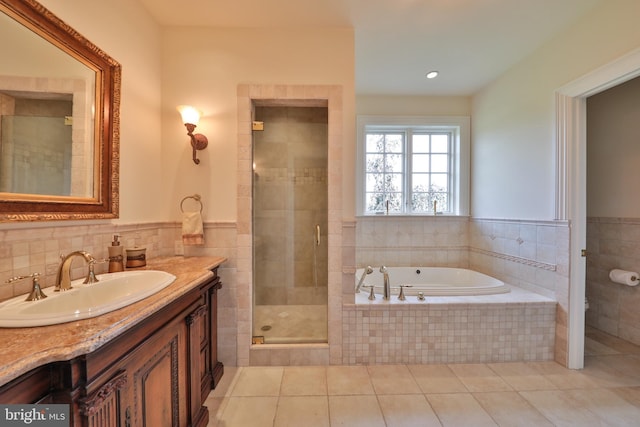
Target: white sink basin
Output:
[(113, 291)]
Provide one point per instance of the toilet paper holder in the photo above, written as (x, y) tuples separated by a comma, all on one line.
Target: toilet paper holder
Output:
[(629, 278)]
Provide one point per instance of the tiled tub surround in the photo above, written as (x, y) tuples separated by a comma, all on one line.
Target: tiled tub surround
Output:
[(531, 255), (509, 327), (613, 308)]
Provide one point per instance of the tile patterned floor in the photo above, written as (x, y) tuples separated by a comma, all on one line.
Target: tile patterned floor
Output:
[(605, 393)]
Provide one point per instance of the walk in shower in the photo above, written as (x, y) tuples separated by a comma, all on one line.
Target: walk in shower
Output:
[(290, 207)]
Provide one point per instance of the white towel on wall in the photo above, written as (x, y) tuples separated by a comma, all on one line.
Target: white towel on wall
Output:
[(192, 230)]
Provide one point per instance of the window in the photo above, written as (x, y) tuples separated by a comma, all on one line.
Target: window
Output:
[(413, 166)]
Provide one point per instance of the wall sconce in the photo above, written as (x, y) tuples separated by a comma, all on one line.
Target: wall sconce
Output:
[(191, 118)]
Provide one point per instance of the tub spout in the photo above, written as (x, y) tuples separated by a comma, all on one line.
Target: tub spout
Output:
[(366, 271), (387, 285)]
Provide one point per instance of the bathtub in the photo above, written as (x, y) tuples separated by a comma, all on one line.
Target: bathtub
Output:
[(432, 281)]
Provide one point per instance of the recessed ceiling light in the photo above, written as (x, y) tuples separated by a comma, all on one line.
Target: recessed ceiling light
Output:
[(432, 74)]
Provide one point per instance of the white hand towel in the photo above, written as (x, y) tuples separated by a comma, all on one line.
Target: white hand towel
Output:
[(192, 230)]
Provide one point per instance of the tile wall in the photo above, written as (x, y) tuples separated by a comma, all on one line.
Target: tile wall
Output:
[(532, 255), (613, 308), (448, 333), (501, 248)]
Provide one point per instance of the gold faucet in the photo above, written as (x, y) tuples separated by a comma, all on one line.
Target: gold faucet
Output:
[(63, 279)]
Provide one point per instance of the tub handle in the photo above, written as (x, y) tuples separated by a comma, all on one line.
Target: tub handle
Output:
[(401, 296), (372, 295)]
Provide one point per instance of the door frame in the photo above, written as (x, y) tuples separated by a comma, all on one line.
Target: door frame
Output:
[(571, 182)]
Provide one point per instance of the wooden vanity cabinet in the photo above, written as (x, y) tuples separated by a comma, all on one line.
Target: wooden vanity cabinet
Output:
[(156, 374)]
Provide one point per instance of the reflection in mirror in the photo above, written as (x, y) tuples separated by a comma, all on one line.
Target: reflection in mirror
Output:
[(59, 114), (36, 145)]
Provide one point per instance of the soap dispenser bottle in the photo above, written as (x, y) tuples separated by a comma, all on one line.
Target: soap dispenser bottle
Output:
[(116, 255)]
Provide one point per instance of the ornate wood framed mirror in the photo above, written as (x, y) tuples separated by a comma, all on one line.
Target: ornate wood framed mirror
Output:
[(59, 112)]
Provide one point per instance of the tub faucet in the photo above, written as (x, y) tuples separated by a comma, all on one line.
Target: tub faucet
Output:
[(386, 295), (366, 271), (63, 279)]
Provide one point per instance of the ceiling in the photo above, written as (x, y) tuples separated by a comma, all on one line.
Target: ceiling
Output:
[(470, 42)]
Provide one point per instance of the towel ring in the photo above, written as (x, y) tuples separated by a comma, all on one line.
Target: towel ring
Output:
[(195, 197)]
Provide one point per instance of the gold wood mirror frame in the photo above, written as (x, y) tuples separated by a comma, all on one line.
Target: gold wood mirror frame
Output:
[(104, 203)]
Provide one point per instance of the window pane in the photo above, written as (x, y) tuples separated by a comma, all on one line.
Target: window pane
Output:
[(439, 163), (420, 143), (394, 143), (420, 163), (375, 202), (395, 202), (440, 143), (374, 183), (442, 201), (393, 182), (375, 163), (420, 182), (375, 143), (393, 163), (439, 182), (421, 202)]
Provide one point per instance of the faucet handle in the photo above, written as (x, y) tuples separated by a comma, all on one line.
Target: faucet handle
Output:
[(91, 275), (36, 291), (372, 295), (401, 296)]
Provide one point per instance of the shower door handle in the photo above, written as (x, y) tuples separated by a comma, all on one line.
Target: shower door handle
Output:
[(317, 234)]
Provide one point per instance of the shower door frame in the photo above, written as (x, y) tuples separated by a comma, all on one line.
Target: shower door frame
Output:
[(289, 278), (329, 96)]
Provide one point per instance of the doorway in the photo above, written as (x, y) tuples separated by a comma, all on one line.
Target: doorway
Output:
[(613, 226), (290, 209), (571, 125)]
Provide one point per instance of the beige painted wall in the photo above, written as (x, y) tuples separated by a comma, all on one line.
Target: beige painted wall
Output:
[(513, 119), (203, 67), (126, 32), (413, 105)]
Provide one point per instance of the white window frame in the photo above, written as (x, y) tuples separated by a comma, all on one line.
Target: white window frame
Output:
[(461, 155)]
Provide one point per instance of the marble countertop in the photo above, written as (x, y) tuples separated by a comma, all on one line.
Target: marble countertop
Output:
[(23, 349)]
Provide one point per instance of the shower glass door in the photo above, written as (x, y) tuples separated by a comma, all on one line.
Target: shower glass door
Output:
[(290, 225)]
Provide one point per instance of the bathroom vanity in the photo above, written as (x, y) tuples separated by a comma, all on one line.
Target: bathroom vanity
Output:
[(151, 363)]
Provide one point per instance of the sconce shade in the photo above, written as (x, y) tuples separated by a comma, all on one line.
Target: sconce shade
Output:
[(190, 118), (189, 114)]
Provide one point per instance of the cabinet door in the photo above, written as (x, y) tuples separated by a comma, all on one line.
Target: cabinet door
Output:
[(102, 408), (198, 368), (157, 381)]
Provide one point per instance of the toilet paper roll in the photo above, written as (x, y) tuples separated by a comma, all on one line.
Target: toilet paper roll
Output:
[(629, 278)]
